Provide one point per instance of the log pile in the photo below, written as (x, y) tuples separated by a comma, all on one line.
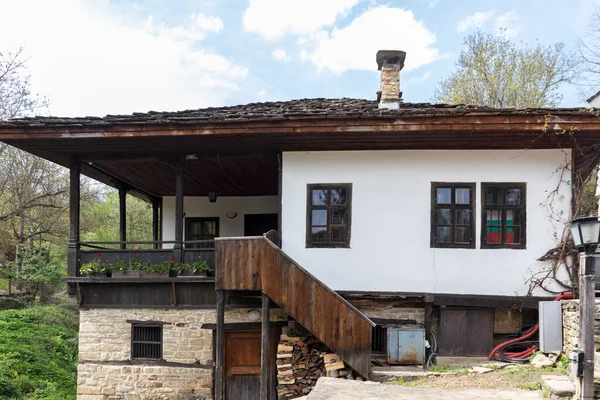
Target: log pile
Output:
[(301, 360)]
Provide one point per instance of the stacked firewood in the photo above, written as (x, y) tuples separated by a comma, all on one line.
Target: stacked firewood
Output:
[(302, 360)]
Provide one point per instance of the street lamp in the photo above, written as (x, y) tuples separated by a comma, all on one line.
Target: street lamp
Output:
[(586, 233), (586, 236)]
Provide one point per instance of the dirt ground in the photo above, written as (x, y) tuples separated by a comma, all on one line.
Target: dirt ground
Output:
[(523, 377)]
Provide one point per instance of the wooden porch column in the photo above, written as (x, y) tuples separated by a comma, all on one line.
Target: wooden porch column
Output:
[(220, 347), (74, 206), (155, 222), (265, 349), (123, 216), (178, 248)]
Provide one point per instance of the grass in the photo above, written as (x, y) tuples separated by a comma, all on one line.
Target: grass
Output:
[(441, 368), (530, 385), (409, 382), (38, 353)]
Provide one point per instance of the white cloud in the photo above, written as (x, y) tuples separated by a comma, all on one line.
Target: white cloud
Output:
[(281, 55), (507, 24), (417, 80), (474, 21), (208, 23), (262, 93), (273, 18), (93, 58), (355, 46)]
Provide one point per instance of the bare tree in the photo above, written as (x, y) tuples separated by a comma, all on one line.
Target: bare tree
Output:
[(493, 71), (589, 51)]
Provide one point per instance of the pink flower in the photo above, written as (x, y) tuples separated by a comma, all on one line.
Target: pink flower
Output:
[(172, 258), (98, 255)]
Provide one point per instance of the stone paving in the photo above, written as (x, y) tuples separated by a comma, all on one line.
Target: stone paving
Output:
[(342, 389)]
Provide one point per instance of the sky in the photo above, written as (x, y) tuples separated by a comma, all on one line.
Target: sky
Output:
[(98, 57)]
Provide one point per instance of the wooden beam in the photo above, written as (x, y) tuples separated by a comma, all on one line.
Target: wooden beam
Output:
[(178, 247), (587, 266), (155, 222), (123, 216), (111, 180), (74, 215), (265, 349), (220, 348), (279, 195)]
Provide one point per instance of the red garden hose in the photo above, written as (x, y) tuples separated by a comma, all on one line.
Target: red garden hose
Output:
[(531, 347)]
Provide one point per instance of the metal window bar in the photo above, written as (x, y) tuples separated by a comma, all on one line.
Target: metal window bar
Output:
[(146, 342)]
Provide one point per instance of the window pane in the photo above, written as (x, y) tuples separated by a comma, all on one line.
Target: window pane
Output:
[(319, 197), (493, 197), (319, 217), (462, 235), (442, 234), (444, 196), (513, 197), (338, 196), (338, 235), (513, 235), (463, 217), (493, 217), (493, 235), (463, 196), (319, 235), (338, 217), (210, 228), (443, 216)]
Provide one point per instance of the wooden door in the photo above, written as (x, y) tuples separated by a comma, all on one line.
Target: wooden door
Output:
[(242, 365), (466, 332)]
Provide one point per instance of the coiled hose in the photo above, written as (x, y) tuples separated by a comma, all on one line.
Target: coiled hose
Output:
[(518, 350)]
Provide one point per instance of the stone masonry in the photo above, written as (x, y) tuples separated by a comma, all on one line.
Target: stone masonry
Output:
[(570, 317), (105, 371)]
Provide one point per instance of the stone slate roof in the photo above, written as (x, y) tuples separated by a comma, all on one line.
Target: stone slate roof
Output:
[(286, 110)]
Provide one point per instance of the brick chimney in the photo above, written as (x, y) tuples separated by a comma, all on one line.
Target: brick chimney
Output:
[(390, 62)]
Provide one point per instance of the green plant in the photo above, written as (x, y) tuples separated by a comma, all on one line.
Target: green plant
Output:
[(441, 368), (136, 265), (530, 386), (121, 266), (180, 267), (200, 266)]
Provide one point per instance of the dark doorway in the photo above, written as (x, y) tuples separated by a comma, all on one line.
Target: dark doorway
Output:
[(242, 365), (259, 224), (466, 332)]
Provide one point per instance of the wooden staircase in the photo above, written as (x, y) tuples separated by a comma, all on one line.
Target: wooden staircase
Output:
[(257, 263)]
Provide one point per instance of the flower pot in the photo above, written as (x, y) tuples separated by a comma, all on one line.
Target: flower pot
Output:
[(189, 272), (126, 274), (147, 274)]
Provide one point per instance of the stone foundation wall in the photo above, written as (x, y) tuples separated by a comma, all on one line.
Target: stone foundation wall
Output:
[(106, 372), (570, 318), (390, 309)]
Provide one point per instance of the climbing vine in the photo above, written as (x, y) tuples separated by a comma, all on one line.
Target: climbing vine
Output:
[(579, 172)]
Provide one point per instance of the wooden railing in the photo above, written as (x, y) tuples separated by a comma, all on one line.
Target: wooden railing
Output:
[(111, 253), (257, 263)]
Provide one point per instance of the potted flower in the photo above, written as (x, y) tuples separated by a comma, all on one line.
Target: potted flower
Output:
[(160, 270), (126, 270), (200, 268), (95, 268)]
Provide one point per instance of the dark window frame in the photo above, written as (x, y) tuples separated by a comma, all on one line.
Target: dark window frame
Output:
[(133, 341), (522, 208), (434, 207), (310, 207), (190, 220)]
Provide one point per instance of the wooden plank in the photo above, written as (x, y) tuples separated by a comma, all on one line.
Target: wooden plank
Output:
[(265, 351), (220, 348), (74, 215), (179, 191), (123, 216), (156, 221)]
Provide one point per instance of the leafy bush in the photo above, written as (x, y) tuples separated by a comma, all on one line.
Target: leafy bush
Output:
[(38, 353)]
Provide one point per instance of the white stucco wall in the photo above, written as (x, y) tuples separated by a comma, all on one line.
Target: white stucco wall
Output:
[(390, 233), (201, 207)]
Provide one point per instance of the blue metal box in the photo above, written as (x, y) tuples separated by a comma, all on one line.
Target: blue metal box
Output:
[(406, 345)]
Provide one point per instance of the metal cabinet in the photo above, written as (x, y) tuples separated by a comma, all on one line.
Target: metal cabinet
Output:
[(406, 345)]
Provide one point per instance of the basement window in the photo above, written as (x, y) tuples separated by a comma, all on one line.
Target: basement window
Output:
[(503, 216), (328, 215), (379, 341), (146, 342), (452, 215)]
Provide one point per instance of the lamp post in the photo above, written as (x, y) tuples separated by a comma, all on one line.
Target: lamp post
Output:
[(586, 236)]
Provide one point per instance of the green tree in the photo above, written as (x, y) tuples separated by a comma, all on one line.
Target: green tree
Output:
[(589, 51), (492, 71)]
